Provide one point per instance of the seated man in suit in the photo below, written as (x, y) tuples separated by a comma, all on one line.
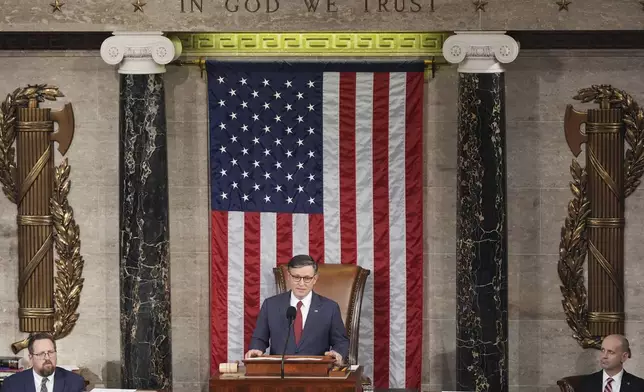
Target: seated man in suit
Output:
[(613, 378), (44, 376), (318, 328)]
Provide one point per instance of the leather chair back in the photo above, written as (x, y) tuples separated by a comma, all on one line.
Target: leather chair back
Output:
[(343, 283), (570, 384)]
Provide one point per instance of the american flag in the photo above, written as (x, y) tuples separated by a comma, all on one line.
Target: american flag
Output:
[(322, 159)]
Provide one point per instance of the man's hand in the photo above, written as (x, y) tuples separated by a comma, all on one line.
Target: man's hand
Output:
[(338, 357), (253, 354)]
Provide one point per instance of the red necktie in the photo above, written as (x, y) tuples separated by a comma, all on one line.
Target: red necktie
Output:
[(609, 388), (298, 323)]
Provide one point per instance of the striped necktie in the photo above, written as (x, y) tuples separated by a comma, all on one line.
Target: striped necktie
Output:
[(609, 387), (43, 385)]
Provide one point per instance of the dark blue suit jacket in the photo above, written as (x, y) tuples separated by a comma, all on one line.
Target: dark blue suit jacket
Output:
[(64, 381), (323, 330)]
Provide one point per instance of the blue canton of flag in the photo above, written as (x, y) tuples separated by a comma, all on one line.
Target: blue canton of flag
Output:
[(266, 141)]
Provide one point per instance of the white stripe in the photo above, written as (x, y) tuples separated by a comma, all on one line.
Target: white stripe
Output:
[(300, 234), (235, 286), (267, 254), (331, 162), (397, 233), (364, 209)]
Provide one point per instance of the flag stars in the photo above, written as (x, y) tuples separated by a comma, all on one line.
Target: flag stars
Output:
[(288, 107), (300, 189), (244, 151), (300, 96), (288, 83), (221, 103), (311, 84), (278, 188), (220, 79), (311, 177), (300, 165), (311, 201), (233, 139), (311, 107), (289, 153), (222, 126), (300, 119), (256, 163), (267, 175), (256, 140), (289, 200), (300, 142), (255, 94), (267, 198), (265, 82), (243, 81), (278, 165), (310, 131), (278, 142), (222, 149), (288, 130), (233, 162), (232, 92), (233, 116), (244, 128), (234, 185), (256, 187), (277, 95), (245, 174), (255, 117), (245, 197), (267, 152), (223, 172), (278, 118), (289, 177), (267, 129), (267, 105), (224, 195), (244, 104), (311, 154)]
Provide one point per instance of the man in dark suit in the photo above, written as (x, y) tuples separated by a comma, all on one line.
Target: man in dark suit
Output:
[(613, 378), (44, 376), (317, 329)]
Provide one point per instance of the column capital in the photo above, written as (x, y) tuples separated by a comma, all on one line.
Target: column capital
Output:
[(480, 51), (140, 52)]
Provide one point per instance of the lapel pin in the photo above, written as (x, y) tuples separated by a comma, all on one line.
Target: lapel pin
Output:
[(315, 310)]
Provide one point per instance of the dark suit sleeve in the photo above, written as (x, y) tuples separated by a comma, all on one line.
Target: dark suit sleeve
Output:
[(10, 385), (261, 334), (77, 384), (338, 333)]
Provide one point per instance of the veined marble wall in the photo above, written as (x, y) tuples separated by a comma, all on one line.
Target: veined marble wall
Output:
[(539, 85)]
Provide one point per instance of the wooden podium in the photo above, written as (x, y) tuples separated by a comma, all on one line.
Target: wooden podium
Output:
[(301, 374)]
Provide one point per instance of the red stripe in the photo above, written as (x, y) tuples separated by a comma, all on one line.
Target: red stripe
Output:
[(252, 273), (219, 290), (348, 241), (381, 229), (284, 238), (316, 237), (414, 226)]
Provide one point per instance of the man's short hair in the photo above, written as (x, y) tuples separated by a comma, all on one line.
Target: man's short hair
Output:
[(39, 336), (300, 261), (625, 345)]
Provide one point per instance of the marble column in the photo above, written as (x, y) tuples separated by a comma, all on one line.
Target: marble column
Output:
[(146, 348), (481, 242)]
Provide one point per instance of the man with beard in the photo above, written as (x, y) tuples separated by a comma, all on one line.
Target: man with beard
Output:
[(613, 378), (44, 376)]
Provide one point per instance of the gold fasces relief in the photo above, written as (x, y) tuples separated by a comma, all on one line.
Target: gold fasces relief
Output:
[(47, 303), (594, 227)]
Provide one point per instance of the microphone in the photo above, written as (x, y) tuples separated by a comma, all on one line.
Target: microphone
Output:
[(290, 315)]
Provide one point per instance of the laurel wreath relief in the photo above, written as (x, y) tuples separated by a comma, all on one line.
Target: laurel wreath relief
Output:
[(573, 245), (69, 262)]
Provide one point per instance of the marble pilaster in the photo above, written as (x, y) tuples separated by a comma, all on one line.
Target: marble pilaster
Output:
[(145, 314), (481, 243)]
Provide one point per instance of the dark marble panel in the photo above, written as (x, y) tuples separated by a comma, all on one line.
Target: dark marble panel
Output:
[(481, 243), (146, 355)]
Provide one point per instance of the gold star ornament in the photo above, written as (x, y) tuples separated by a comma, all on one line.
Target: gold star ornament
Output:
[(56, 6), (138, 6), (480, 5), (563, 4)]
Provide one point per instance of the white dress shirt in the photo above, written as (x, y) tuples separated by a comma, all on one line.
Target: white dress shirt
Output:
[(306, 305), (38, 381), (617, 380)]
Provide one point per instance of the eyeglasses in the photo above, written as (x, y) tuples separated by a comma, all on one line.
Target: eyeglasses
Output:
[(306, 279), (44, 354)]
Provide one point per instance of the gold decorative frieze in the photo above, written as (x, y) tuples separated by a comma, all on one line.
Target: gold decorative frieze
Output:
[(331, 44)]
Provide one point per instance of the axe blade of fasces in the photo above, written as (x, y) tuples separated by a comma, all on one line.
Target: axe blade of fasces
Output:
[(572, 129), (65, 134)]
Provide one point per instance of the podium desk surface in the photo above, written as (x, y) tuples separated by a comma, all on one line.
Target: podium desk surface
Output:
[(225, 383)]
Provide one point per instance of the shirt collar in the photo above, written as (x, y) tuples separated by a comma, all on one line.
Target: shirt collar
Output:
[(39, 378), (616, 378), (306, 301)]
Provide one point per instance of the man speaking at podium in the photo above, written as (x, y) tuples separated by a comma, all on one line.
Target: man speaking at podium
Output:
[(317, 329)]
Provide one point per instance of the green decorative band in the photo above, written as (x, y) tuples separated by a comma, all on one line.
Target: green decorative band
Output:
[(312, 44)]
